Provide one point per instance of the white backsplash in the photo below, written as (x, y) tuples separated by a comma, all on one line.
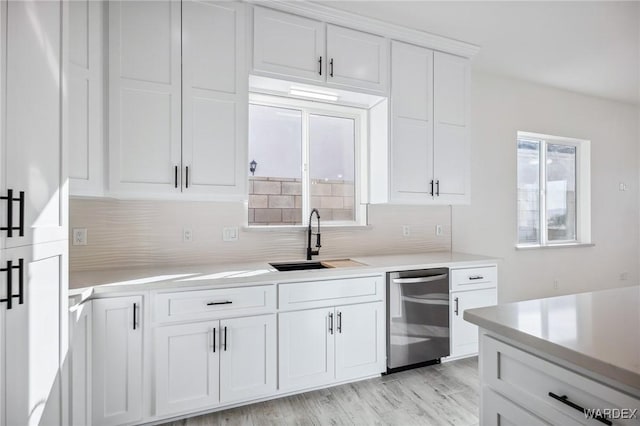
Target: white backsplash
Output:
[(123, 234)]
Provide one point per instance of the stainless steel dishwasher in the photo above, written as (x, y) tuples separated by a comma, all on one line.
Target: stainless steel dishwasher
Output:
[(417, 318)]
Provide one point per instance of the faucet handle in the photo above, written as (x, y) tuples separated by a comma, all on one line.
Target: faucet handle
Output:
[(318, 241)]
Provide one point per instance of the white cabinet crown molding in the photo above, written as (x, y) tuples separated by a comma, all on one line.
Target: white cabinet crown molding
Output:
[(374, 26)]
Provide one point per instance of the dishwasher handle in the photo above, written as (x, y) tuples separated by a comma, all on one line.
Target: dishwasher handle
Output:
[(419, 279)]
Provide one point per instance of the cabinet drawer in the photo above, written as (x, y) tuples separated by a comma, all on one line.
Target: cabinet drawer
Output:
[(203, 304), (473, 278), (315, 294), (528, 380)]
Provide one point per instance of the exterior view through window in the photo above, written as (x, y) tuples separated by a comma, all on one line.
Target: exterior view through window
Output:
[(549, 187), (302, 156)]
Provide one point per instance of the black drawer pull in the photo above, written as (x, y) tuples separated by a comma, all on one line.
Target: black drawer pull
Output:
[(431, 187), (226, 302), (214, 340), (340, 322), (9, 270), (175, 176), (438, 188), (476, 277), (225, 338), (330, 322), (186, 180), (456, 309), (10, 200), (565, 400), (135, 319), (320, 67)]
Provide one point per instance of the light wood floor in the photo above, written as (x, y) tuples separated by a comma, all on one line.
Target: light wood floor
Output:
[(443, 394)]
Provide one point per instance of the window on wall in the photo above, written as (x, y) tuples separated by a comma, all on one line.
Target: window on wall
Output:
[(305, 155), (553, 201)]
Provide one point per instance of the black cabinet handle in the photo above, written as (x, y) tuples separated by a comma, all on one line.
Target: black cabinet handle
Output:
[(320, 67), (226, 302), (456, 306), (10, 200), (476, 277), (432, 187), (214, 340), (438, 188), (565, 400), (340, 322), (331, 322), (9, 270), (186, 181), (135, 308), (175, 176), (331, 64), (225, 338)]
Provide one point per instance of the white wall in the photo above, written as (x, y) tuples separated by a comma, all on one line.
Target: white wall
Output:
[(501, 107)]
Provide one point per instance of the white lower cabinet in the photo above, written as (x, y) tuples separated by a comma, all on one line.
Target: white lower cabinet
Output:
[(205, 364), (117, 360), (464, 335), (320, 346)]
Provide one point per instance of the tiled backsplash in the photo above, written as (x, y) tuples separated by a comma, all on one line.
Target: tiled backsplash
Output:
[(125, 234)]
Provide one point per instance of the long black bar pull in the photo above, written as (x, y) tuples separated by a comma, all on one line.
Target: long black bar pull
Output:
[(320, 68), (214, 340), (9, 270), (225, 338), (186, 180), (175, 176), (10, 200), (135, 308), (565, 400)]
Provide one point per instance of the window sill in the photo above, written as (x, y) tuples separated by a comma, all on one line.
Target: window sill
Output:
[(552, 246), (303, 228)]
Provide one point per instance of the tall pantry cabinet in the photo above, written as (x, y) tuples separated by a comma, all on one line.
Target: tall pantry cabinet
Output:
[(33, 211)]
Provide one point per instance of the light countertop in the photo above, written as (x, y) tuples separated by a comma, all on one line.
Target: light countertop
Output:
[(89, 283), (599, 332)]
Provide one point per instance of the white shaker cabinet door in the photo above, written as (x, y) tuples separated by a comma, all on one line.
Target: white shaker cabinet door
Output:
[(357, 59), (306, 348), (33, 149), (247, 358), (33, 332), (187, 367), (451, 79), (464, 335), (360, 340), (80, 320), (411, 123), (144, 97), (214, 99), (288, 45), (117, 360)]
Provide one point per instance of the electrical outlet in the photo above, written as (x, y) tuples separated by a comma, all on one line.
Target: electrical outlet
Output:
[(79, 237), (624, 276), (187, 235), (438, 230), (406, 230), (622, 186), (556, 284), (230, 233)]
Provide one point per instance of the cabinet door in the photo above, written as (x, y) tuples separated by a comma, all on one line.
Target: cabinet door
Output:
[(86, 97), (144, 97), (33, 333), (411, 123), (306, 348), (360, 340), (464, 335), (187, 367), (288, 45), (357, 59), (117, 360), (497, 410), (33, 149), (80, 340), (451, 131), (247, 358), (214, 99)]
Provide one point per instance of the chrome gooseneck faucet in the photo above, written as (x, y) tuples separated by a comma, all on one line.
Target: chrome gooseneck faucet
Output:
[(317, 234)]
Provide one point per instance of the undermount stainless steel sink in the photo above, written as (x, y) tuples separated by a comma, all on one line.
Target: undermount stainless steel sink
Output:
[(309, 264)]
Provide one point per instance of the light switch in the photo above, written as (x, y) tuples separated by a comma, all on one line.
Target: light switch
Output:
[(230, 233)]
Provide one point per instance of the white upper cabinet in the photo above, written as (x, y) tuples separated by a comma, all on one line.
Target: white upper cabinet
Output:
[(86, 97), (356, 59), (451, 79), (297, 48), (288, 45), (214, 98), (429, 147), (34, 155), (144, 96)]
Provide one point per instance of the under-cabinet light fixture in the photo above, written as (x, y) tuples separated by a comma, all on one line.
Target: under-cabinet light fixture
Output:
[(306, 93)]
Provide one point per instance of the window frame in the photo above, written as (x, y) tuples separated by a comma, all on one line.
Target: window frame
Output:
[(583, 190), (307, 108)]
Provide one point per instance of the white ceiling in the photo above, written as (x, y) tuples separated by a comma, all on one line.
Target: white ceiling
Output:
[(590, 47)]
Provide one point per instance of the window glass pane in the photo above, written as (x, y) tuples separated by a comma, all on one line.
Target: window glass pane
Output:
[(528, 191), (561, 192), (275, 186), (332, 167)]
